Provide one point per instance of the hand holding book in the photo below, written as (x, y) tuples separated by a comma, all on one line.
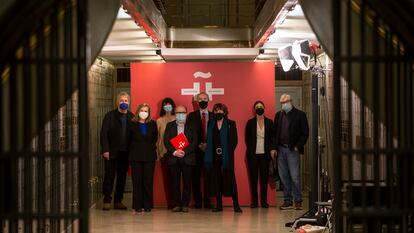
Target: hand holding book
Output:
[(179, 142)]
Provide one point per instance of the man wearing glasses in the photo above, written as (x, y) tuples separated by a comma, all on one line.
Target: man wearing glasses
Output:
[(180, 139), (291, 134)]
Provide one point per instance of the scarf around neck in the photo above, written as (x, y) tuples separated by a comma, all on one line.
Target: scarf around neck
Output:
[(208, 158)]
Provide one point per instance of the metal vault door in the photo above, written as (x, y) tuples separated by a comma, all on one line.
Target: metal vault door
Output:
[(44, 119), (373, 120)]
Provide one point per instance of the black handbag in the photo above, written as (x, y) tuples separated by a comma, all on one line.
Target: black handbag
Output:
[(273, 173)]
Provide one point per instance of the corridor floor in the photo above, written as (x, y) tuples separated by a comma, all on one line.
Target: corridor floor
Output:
[(196, 221)]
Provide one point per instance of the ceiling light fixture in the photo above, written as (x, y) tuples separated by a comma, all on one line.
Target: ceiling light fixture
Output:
[(286, 58), (301, 52), (298, 55)]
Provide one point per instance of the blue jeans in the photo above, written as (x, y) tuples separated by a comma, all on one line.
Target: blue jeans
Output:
[(289, 171)]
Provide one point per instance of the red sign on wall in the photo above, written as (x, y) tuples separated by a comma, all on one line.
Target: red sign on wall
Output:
[(236, 84)]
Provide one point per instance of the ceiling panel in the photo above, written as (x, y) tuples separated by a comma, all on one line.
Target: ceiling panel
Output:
[(128, 42), (294, 27)]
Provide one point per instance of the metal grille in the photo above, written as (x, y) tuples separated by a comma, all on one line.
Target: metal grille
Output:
[(373, 115), (44, 121), (101, 101)]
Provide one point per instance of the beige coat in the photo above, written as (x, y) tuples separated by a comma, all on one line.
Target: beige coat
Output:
[(161, 123)]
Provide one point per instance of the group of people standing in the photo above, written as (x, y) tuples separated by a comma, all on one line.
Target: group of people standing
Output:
[(138, 141)]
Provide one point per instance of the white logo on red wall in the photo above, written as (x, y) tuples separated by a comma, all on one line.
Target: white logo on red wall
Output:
[(208, 86)]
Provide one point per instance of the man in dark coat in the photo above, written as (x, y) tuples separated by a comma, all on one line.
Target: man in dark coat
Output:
[(291, 134), (200, 119), (114, 146), (180, 162)]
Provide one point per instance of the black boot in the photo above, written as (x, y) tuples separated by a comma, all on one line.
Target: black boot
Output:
[(236, 205), (219, 206), (237, 208)]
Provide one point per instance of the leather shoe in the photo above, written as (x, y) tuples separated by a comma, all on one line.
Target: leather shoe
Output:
[(298, 206), (119, 206), (147, 210), (184, 209), (287, 205), (254, 205), (237, 209), (106, 206), (265, 205), (176, 209), (218, 208)]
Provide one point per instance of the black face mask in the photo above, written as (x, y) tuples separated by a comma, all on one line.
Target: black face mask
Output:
[(203, 104), (218, 116), (259, 111)]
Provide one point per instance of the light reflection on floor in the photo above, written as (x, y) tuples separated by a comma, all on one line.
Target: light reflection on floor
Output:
[(200, 221)]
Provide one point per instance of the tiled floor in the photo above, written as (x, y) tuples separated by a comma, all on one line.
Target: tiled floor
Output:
[(197, 221)]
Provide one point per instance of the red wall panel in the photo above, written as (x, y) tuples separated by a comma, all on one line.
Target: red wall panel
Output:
[(242, 82)]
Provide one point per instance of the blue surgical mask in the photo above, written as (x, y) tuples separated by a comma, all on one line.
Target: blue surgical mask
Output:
[(287, 107), (167, 108), (180, 117), (123, 106)]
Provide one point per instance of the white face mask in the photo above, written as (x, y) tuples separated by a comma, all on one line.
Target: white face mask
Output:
[(180, 117), (143, 115), (168, 108), (287, 107)]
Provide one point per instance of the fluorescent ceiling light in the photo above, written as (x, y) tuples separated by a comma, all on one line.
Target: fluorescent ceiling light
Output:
[(170, 54), (122, 14)]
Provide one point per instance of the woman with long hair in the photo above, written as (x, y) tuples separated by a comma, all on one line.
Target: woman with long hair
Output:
[(167, 115)]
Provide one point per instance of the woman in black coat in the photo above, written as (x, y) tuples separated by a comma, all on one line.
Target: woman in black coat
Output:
[(142, 156), (258, 138), (219, 157)]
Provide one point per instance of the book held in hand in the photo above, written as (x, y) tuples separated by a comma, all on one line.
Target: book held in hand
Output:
[(179, 142)]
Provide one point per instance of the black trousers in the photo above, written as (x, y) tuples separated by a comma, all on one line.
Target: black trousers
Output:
[(196, 182), (223, 182), (143, 183), (259, 167), (115, 167), (167, 182), (219, 193), (178, 171)]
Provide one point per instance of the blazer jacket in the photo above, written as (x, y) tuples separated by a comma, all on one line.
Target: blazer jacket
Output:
[(194, 118), (111, 131), (190, 133), (250, 136), (143, 148), (298, 129)]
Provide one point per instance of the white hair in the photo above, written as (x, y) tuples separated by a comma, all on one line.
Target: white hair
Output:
[(121, 94), (202, 93), (285, 97)]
